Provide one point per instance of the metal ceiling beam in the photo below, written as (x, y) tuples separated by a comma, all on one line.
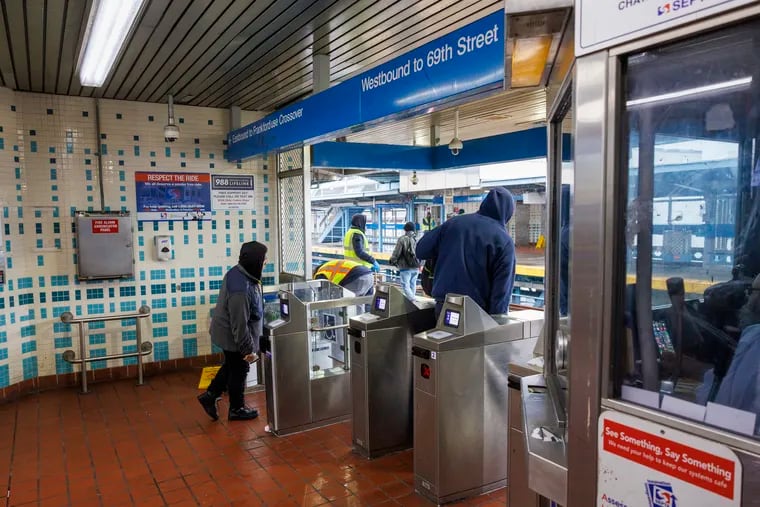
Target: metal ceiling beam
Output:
[(399, 36), (55, 19), (302, 44), (219, 50), (224, 28)]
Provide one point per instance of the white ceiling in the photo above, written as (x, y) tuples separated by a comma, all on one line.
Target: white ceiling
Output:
[(509, 111)]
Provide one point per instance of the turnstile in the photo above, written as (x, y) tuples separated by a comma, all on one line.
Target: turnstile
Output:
[(381, 370), (460, 398), (305, 368)]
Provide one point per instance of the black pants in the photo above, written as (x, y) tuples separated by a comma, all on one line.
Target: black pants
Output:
[(231, 378)]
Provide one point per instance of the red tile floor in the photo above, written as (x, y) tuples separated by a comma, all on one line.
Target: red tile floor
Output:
[(153, 445)]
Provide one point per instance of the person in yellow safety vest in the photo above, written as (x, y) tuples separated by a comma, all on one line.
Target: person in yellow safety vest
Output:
[(428, 223), (350, 275), (356, 245)]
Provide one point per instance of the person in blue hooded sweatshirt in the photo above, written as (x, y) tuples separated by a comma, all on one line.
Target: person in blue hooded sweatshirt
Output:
[(474, 255), (740, 387)]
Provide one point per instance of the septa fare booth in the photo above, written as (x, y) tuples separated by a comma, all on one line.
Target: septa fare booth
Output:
[(649, 396)]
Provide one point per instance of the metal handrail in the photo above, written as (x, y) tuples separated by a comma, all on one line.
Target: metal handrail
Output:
[(143, 348)]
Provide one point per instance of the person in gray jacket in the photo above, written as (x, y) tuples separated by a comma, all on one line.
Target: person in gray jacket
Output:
[(404, 259), (236, 327)]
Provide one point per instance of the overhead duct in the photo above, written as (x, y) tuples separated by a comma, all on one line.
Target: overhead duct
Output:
[(539, 42)]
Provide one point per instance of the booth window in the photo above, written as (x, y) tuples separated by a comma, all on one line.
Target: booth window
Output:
[(689, 341)]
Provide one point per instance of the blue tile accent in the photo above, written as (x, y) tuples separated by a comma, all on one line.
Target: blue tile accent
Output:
[(27, 347), (126, 291), (4, 376), (97, 365), (60, 295), (214, 285), (33, 146), (96, 325), (189, 329), (158, 303), (94, 293), (128, 336), (3, 354), (160, 332), (188, 300), (128, 306), (187, 273), (190, 347), (129, 349), (189, 315), (62, 366), (96, 309), (158, 289), (157, 274), (187, 286), (62, 343), (97, 339), (159, 318), (29, 365), (60, 310), (161, 351), (25, 283), (28, 331)]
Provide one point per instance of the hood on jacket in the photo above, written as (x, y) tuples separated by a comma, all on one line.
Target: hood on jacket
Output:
[(252, 256), (359, 221), (498, 205)]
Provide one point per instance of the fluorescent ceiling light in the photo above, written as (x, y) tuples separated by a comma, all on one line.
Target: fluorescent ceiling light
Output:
[(529, 61), (725, 85), (108, 27)]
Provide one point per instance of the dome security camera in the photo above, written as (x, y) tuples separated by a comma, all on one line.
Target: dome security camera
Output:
[(171, 133), (414, 179), (455, 146)]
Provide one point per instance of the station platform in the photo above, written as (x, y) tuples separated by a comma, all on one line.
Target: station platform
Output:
[(124, 445)]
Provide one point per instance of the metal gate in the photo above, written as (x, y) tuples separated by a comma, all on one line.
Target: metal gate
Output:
[(292, 215)]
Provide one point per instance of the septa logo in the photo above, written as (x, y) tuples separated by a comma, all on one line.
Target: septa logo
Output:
[(674, 5), (660, 494)]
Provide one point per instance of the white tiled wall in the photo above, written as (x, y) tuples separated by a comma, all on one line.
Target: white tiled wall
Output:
[(49, 167)]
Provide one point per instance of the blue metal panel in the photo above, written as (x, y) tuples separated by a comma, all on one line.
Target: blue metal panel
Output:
[(528, 144), (371, 156), (524, 145), (465, 62)]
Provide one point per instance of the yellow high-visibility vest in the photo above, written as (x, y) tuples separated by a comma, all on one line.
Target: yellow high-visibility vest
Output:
[(336, 271), (348, 248)]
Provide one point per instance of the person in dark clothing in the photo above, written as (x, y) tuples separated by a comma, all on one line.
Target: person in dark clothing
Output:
[(356, 244), (407, 263), (236, 326), (474, 254)]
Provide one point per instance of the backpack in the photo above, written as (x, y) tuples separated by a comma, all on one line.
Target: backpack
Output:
[(411, 259), (426, 278)]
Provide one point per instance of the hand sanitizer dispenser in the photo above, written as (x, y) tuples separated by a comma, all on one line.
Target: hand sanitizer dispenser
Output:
[(163, 248)]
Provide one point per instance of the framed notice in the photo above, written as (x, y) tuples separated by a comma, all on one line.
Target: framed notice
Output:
[(642, 464), (232, 192), (173, 196), (603, 24)]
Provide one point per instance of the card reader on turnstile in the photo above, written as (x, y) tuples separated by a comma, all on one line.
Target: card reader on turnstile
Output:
[(460, 398), (381, 370)]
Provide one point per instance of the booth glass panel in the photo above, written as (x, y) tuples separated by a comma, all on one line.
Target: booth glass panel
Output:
[(689, 335)]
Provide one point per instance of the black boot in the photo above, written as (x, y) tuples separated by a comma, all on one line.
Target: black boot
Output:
[(208, 401), (242, 414)]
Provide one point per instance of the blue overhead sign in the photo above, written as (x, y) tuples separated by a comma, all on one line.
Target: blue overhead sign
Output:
[(466, 61)]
